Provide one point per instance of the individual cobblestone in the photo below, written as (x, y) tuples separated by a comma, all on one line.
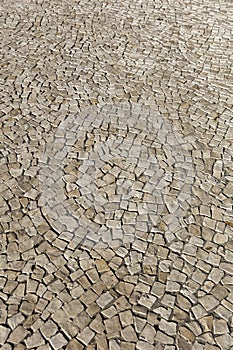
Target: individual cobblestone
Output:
[(116, 176)]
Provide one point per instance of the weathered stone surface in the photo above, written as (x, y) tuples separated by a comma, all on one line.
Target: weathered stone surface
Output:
[(17, 335), (113, 326), (48, 329), (128, 334), (74, 345), (209, 302), (35, 340), (104, 300), (4, 332), (187, 334), (220, 327), (224, 341), (58, 341), (125, 288), (148, 334), (86, 336), (74, 308), (163, 338), (126, 318), (116, 177)]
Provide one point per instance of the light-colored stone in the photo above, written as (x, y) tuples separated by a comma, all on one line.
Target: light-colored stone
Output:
[(58, 341), (163, 338), (4, 332), (225, 341), (169, 328), (116, 175), (187, 334), (74, 308), (128, 334), (113, 327), (209, 302), (86, 336), (148, 334), (104, 300), (48, 329), (35, 340), (18, 335), (124, 288), (126, 318), (220, 327)]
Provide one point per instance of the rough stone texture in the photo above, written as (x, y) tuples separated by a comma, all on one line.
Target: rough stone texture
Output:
[(4, 332), (116, 176)]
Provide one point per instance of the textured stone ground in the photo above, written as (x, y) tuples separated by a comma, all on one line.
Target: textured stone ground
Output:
[(116, 180)]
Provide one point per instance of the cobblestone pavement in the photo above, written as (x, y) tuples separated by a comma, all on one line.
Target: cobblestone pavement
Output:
[(116, 177)]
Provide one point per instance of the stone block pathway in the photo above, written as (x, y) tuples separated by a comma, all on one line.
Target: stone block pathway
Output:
[(116, 175)]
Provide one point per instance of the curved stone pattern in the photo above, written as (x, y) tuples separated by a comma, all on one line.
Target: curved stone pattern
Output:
[(116, 178), (116, 172)]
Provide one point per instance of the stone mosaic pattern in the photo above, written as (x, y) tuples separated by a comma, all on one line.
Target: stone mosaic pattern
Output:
[(116, 180)]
